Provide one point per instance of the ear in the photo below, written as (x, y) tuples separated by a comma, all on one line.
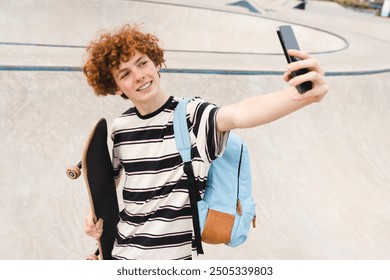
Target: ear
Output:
[(158, 71), (118, 91)]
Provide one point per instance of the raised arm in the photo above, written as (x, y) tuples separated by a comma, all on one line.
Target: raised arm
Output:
[(261, 109)]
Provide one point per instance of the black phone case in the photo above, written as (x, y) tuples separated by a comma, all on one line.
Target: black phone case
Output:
[(288, 42)]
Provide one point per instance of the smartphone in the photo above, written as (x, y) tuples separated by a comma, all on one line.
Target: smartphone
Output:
[(288, 41)]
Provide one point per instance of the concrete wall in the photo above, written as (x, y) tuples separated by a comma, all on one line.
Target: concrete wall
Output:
[(321, 176)]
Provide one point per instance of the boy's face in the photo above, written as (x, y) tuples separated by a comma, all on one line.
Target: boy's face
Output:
[(138, 79)]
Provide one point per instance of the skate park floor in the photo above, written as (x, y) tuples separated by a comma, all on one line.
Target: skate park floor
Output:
[(320, 175)]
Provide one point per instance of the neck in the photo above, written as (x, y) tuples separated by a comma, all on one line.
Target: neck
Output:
[(152, 105)]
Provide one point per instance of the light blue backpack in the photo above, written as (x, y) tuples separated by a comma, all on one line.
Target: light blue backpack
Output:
[(227, 209)]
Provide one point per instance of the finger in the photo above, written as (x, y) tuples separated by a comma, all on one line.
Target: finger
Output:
[(99, 224), (309, 63), (287, 76), (89, 220), (297, 80), (93, 232), (96, 235), (88, 230), (90, 227), (298, 53)]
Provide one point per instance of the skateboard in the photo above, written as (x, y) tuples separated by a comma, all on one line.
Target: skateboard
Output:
[(96, 168)]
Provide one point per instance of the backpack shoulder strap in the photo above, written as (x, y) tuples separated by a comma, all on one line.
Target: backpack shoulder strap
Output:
[(180, 128), (183, 144)]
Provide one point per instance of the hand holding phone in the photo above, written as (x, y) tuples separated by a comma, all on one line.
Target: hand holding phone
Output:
[(288, 42)]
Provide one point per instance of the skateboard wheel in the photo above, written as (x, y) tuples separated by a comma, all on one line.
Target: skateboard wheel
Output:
[(73, 172), (92, 257)]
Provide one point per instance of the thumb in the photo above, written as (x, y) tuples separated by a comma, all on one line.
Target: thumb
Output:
[(99, 224)]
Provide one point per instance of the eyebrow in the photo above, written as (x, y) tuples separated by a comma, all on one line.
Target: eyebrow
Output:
[(135, 62)]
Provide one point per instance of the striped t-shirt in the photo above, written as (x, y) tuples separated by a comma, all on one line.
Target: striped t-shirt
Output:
[(156, 221)]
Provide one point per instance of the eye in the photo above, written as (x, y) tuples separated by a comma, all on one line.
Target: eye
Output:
[(143, 63), (125, 74)]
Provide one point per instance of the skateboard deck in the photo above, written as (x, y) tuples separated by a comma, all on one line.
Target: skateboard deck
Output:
[(96, 168)]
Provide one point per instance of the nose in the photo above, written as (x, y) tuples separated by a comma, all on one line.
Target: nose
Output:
[(139, 75)]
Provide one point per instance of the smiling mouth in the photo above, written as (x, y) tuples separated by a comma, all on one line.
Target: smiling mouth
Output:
[(145, 86)]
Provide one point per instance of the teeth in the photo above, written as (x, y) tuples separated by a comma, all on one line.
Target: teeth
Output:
[(145, 86)]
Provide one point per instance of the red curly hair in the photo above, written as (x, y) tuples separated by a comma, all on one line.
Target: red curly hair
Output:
[(110, 50)]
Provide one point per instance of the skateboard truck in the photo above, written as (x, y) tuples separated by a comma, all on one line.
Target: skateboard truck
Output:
[(74, 171), (94, 256)]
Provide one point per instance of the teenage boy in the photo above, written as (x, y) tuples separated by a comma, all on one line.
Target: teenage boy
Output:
[(156, 221)]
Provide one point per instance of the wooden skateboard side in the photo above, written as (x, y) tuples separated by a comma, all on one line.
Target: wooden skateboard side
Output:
[(97, 171)]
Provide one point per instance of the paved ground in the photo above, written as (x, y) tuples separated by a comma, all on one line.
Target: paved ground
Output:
[(321, 174)]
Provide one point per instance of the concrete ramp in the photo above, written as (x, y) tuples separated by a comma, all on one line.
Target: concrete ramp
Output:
[(321, 175)]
